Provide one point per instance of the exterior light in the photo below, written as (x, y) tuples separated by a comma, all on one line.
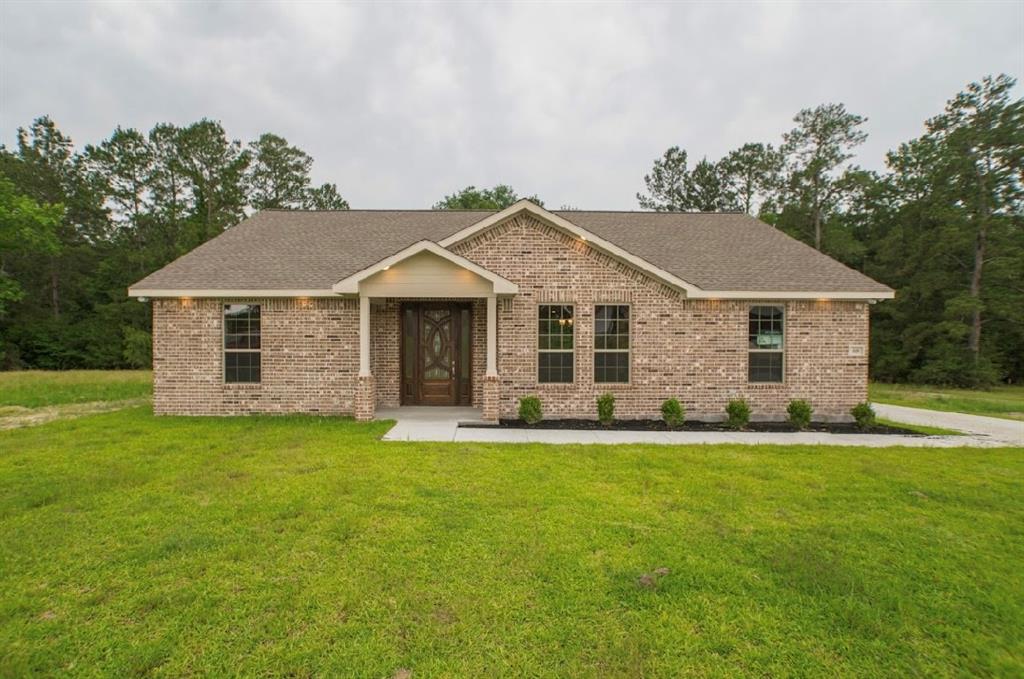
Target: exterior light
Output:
[(143, 299)]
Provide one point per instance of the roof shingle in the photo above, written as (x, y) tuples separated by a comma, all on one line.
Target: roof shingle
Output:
[(309, 250)]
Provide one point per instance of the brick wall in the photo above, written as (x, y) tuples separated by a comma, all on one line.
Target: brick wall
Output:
[(310, 358), (695, 350)]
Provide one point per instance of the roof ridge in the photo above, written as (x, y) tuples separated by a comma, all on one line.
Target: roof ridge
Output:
[(411, 209), (489, 211), (657, 212)]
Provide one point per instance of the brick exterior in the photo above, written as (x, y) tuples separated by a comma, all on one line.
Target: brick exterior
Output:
[(309, 357), (695, 350), (491, 402), (365, 400)]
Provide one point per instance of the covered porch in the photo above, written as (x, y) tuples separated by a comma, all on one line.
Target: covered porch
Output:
[(428, 332)]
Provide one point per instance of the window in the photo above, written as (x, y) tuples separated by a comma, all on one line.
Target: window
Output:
[(242, 343), (765, 347), (555, 343), (611, 343)]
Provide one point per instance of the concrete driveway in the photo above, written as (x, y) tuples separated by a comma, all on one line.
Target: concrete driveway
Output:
[(1009, 432)]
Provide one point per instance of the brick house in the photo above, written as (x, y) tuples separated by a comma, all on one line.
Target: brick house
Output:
[(346, 312)]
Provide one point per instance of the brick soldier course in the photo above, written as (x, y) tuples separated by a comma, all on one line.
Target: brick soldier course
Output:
[(684, 343)]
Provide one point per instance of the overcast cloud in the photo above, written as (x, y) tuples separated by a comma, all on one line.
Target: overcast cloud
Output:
[(400, 104)]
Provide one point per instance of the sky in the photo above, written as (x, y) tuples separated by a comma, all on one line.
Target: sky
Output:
[(401, 104)]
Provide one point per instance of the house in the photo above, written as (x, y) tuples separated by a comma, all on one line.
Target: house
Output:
[(350, 311)]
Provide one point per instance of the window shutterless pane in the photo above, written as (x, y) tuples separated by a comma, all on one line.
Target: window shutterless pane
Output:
[(765, 366), (611, 343), (236, 341), (555, 366), (242, 366), (766, 344), (555, 343), (612, 366), (241, 337)]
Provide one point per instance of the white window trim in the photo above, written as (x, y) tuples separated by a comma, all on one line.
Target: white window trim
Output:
[(224, 345), (782, 351), (540, 351), (628, 352)]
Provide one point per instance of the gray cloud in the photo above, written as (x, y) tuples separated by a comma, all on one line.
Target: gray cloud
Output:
[(400, 103)]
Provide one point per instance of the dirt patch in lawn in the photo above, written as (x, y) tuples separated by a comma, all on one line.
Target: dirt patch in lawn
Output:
[(13, 417), (696, 425)]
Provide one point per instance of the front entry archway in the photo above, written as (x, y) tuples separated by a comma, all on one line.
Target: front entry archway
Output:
[(436, 353)]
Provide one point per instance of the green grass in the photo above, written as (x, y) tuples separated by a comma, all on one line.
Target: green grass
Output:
[(132, 545), (35, 388), (1002, 401), (920, 428)]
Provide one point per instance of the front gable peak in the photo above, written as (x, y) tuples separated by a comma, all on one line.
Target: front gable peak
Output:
[(525, 206), (425, 268)]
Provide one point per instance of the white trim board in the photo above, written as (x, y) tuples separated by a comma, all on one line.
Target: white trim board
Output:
[(350, 284), (239, 292)]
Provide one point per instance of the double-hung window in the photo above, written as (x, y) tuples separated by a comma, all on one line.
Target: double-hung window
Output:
[(242, 343), (555, 343), (765, 348), (611, 343)]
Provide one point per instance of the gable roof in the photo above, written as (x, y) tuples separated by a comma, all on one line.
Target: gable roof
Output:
[(350, 285), (292, 253)]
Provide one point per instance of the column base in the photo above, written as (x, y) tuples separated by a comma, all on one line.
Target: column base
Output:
[(366, 398), (491, 398)]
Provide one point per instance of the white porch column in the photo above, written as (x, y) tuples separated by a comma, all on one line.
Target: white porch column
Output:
[(364, 336), (492, 336)]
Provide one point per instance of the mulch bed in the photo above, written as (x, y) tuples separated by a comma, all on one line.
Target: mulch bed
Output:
[(694, 425)]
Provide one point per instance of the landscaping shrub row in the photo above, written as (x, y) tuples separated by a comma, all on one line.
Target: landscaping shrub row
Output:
[(673, 413)]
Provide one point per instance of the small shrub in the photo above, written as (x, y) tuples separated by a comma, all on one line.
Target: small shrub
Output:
[(864, 414), (606, 408), (738, 412), (673, 413), (529, 410), (799, 412)]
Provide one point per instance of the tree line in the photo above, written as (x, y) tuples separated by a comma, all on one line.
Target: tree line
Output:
[(77, 227), (942, 225)]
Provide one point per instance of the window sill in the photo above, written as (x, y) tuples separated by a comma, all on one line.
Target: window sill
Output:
[(766, 385)]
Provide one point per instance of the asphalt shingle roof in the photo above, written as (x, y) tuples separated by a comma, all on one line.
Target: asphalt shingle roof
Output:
[(298, 250)]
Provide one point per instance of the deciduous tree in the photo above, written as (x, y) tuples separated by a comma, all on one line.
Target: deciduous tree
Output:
[(472, 198)]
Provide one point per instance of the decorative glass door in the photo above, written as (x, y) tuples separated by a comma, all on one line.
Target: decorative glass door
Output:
[(435, 354)]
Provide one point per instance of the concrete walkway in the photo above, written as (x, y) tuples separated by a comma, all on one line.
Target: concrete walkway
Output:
[(442, 424), (1009, 432), (426, 423)]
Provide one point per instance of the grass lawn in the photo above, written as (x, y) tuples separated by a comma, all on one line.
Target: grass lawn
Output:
[(1003, 401), (135, 545), (37, 388)]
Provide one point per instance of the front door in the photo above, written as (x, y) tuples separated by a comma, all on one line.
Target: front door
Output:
[(436, 353)]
